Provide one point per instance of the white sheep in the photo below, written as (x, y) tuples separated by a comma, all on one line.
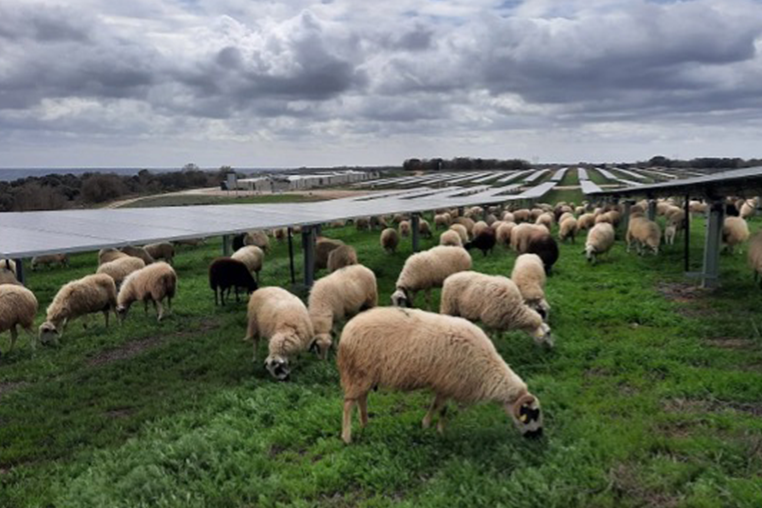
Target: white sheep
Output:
[(442, 219), (567, 228), (18, 306), (462, 232), (406, 350), (735, 231), (755, 254), (644, 232), (389, 240), (479, 228), (9, 265), (495, 301), (251, 256), (600, 239), (585, 221), (257, 238), (404, 228), (333, 298), (110, 254), (281, 318), (344, 255), (90, 294), (153, 283), (451, 238), (503, 233), (426, 270), (529, 276), (120, 268), (161, 250)]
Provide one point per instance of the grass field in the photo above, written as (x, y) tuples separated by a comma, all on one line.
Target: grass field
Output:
[(652, 397)]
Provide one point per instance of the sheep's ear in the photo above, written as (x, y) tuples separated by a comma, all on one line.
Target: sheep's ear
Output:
[(313, 348)]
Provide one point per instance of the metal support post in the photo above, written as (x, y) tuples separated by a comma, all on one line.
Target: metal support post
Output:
[(416, 220), (687, 233), (291, 254), (226, 245), (308, 246), (627, 213), (710, 273), (651, 209), (20, 275), (461, 211)]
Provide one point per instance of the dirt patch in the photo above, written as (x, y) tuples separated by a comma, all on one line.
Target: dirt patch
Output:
[(730, 343), (121, 412), (624, 482), (710, 406), (680, 292), (10, 386), (276, 450)]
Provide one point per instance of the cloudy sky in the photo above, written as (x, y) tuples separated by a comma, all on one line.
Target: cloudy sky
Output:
[(159, 83)]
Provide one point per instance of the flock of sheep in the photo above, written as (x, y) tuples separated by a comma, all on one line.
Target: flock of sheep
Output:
[(395, 347)]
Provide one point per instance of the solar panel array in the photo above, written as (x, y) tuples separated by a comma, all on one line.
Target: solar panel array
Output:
[(588, 186)]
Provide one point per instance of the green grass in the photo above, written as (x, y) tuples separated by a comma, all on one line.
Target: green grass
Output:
[(652, 397), (571, 177), (195, 199), (568, 195), (596, 177)]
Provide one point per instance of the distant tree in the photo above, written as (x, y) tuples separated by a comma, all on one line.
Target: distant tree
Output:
[(190, 167), (98, 188)]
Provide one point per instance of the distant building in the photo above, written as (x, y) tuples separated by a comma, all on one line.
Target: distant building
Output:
[(284, 183)]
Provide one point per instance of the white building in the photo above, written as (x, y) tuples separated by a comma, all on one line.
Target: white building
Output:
[(284, 183)]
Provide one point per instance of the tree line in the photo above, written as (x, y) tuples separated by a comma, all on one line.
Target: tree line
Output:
[(463, 164)]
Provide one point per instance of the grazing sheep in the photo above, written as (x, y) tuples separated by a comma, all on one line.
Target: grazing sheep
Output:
[(280, 234), (748, 208), (697, 207), (478, 228), (193, 242), (152, 283), (338, 223), (8, 264), (378, 222), (408, 350), (257, 238), (251, 256), (120, 268), (485, 241), (424, 228), (466, 223), (508, 217), (503, 233), (755, 255), (442, 219), (670, 232), (161, 250), (426, 270), (567, 229), (529, 276), (343, 293), (474, 212), (522, 232), (90, 294), (390, 240), (362, 223), (495, 301), (462, 232), (645, 233), (398, 218), (585, 221), (110, 254), (545, 219), (404, 228), (226, 273), (564, 216), (138, 252), (545, 246), (735, 231), (8, 273), (18, 306), (323, 248), (490, 219), (600, 239), (281, 318), (344, 255), (451, 238), (49, 260), (522, 215)]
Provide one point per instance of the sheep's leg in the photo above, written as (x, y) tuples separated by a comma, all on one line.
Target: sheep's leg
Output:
[(362, 403), (346, 427), (159, 310), (14, 336), (216, 302), (427, 295), (436, 405), (105, 315), (237, 299), (145, 307)]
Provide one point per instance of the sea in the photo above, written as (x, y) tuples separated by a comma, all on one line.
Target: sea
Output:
[(10, 174)]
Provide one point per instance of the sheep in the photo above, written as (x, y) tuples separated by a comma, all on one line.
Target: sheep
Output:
[(343, 293), (138, 252), (390, 240), (529, 276), (426, 270), (398, 218), (404, 228), (152, 283), (192, 242), (735, 231), (90, 294), (521, 233), (748, 208), (567, 229), (495, 301), (585, 221), (697, 207), (120, 268), (503, 233), (442, 219), (282, 318), (478, 228), (545, 246), (408, 350), (109, 254), (450, 238), (161, 250), (18, 306), (362, 223), (344, 255), (50, 259), (643, 232), (9, 265), (600, 239), (466, 223), (251, 256), (8, 273), (564, 216), (226, 273), (323, 248), (522, 215), (474, 211), (485, 241), (755, 255), (338, 223), (545, 219), (280, 234), (424, 228), (462, 232), (508, 217), (257, 238), (378, 222)]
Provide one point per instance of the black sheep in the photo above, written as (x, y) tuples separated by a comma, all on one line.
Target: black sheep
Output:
[(485, 241), (226, 273), (238, 241), (545, 246)]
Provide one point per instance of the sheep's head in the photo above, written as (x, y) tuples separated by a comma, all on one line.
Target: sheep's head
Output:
[(527, 415), (542, 335), (401, 298), (542, 307), (278, 367), (48, 333), (321, 344), (121, 311), (589, 252)]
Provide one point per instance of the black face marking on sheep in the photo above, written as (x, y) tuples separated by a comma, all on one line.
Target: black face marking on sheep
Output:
[(314, 348), (401, 298), (542, 313), (278, 368)]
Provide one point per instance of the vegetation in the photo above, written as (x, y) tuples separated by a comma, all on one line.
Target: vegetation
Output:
[(651, 398), (463, 164), (196, 199)]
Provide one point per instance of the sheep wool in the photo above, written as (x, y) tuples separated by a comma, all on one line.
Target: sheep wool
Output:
[(503, 233), (281, 318), (257, 238), (153, 283), (18, 307), (426, 270), (161, 250), (529, 276), (323, 248), (404, 228), (343, 293), (120, 268), (110, 254), (442, 219), (90, 294), (755, 255), (600, 239), (389, 240), (424, 228), (462, 232), (567, 229), (450, 238), (50, 259), (344, 255), (407, 350), (735, 231), (138, 252), (495, 301), (251, 256), (644, 232)]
